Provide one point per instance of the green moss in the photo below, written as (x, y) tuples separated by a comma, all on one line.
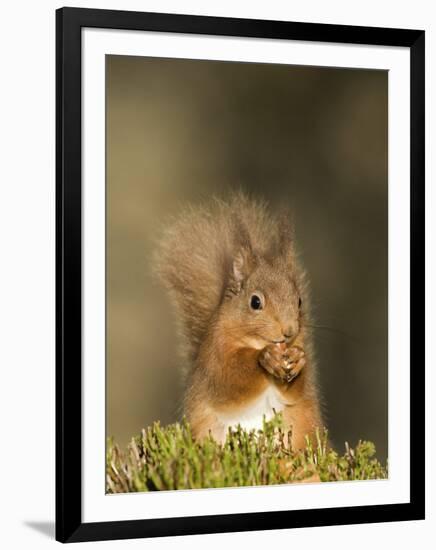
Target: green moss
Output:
[(168, 458)]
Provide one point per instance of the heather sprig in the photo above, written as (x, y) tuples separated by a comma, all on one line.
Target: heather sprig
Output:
[(168, 458)]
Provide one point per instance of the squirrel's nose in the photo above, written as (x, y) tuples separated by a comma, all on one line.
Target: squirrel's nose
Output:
[(290, 331)]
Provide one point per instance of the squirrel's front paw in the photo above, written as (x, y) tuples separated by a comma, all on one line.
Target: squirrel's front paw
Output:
[(296, 359), (282, 363)]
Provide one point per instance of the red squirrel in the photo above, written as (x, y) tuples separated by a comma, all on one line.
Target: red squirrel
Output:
[(242, 305)]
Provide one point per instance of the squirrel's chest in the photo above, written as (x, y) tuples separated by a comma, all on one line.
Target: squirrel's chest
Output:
[(250, 416)]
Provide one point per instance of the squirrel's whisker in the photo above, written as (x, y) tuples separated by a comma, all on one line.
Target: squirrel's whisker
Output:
[(332, 329)]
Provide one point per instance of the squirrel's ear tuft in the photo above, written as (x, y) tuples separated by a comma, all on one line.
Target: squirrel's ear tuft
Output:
[(286, 236), (241, 266), (238, 272)]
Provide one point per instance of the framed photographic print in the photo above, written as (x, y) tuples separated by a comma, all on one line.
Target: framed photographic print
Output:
[(240, 274)]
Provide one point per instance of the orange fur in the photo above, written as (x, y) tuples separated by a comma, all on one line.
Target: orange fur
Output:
[(243, 359)]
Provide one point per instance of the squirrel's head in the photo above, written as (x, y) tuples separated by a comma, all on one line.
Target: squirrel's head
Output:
[(263, 300)]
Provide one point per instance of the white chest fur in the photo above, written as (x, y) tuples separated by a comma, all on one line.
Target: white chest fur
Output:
[(251, 416)]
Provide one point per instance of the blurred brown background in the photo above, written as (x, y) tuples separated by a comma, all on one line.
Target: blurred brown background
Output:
[(179, 131)]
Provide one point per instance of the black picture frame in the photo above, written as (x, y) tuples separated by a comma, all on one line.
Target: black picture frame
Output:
[(69, 525)]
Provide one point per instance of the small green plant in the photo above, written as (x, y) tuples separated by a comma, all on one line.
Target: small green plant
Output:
[(168, 458)]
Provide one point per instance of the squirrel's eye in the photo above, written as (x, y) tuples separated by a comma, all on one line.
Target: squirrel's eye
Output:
[(299, 303), (255, 302)]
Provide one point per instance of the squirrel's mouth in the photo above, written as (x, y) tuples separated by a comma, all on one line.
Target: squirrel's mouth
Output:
[(262, 341), (259, 341)]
